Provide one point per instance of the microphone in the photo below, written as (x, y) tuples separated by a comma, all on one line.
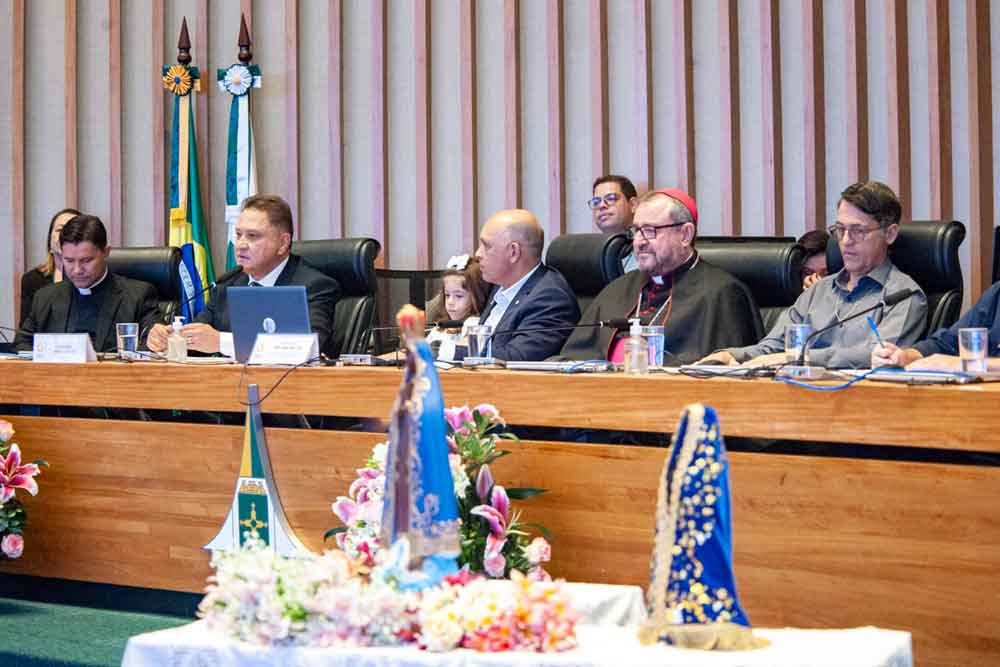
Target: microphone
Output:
[(228, 275), (801, 370)]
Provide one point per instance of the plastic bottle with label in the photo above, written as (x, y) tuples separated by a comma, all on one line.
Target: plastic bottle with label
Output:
[(636, 351), (177, 349)]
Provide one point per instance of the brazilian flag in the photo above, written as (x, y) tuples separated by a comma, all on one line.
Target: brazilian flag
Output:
[(188, 228)]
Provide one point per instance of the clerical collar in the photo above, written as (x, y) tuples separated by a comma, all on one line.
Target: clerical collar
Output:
[(271, 278), (688, 264), (87, 291)]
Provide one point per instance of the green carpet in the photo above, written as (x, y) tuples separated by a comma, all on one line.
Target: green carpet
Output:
[(33, 634)]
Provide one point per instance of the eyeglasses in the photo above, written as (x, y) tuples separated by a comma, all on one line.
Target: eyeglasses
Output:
[(610, 199), (648, 232), (854, 232)]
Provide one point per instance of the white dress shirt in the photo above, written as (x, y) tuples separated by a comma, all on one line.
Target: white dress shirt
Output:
[(501, 302)]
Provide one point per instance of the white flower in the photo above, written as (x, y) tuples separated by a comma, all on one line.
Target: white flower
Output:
[(458, 475), (238, 80)]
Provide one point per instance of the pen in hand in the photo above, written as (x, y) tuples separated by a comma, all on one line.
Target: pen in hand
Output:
[(874, 328)]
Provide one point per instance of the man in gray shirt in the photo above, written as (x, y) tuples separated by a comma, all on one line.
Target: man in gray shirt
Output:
[(867, 223)]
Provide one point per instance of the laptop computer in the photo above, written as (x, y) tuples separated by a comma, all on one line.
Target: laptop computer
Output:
[(255, 310)]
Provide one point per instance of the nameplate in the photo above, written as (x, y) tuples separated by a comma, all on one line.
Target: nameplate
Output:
[(284, 349), (63, 349)]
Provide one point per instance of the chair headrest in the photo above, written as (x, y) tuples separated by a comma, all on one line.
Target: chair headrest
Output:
[(587, 261), (157, 266), (925, 250), (770, 266), (351, 262)]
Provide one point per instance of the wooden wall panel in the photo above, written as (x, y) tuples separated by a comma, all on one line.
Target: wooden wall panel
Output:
[(939, 107), (421, 124), (335, 112), (512, 104), (379, 173), (770, 68), (115, 112), (981, 221), (856, 73), (468, 229), (642, 101), (729, 126), (70, 81), (814, 124), (554, 222), (598, 18), (681, 134), (158, 137), (17, 164), (291, 166), (897, 47)]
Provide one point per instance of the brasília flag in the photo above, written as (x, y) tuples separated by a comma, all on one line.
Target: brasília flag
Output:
[(241, 158), (188, 229)]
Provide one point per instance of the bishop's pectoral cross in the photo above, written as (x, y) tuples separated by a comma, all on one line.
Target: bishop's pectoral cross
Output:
[(253, 523)]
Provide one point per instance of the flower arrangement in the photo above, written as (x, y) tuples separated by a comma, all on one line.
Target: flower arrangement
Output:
[(14, 475), (331, 601), (494, 540)]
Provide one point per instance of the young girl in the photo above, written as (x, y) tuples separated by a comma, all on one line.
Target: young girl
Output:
[(462, 298)]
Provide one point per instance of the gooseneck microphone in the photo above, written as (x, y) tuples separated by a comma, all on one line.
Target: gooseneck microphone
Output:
[(228, 275), (887, 302)]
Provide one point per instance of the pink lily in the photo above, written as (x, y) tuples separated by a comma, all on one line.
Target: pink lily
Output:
[(500, 501), (484, 482), (493, 560), (13, 475), (458, 417), (490, 412), (345, 509), (497, 521)]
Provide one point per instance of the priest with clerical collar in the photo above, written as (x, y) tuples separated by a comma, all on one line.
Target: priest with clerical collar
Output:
[(699, 305), (90, 299)]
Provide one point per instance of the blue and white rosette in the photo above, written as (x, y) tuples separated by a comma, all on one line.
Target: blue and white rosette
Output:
[(241, 160)]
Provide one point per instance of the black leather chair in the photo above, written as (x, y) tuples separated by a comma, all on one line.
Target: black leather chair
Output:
[(396, 288), (588, 262), (352, 263), (158, 266), (770, 266), (927, 251)]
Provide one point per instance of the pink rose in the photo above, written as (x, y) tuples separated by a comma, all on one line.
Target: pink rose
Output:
[(538, 551), (12, 546), (6, 430)]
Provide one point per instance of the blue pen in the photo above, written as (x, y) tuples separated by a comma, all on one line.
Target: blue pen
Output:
[(871, 323)]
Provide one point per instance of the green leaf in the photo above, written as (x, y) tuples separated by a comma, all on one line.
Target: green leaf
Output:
[(334, 531), (521, 493), (546, 533)]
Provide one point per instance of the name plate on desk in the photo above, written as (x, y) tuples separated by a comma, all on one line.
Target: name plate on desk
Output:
[(63, 349), (284, 349)]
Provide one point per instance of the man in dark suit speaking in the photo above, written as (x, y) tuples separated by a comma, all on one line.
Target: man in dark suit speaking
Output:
[(263, 249), (90, 299), (529, 295)]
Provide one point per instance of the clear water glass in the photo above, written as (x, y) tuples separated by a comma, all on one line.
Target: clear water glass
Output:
[(973, 347)]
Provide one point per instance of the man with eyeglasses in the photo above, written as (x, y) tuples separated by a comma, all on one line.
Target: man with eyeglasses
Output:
[(612, 206), (700, 306), (867, 223)]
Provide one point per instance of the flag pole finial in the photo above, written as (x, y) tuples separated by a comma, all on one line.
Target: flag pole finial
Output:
[(245, 56), (184, 44)]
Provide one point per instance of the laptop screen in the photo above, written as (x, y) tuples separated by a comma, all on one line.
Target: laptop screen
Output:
[(254, 310)]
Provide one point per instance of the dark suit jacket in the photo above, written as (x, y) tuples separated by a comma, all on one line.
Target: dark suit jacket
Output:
[(544, 302), (127, 300), (322, 292)]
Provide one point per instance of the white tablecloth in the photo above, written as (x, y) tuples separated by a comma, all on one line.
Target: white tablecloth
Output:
[(193, 646)]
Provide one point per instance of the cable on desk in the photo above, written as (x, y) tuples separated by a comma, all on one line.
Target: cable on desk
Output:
[(243, 372), (819, 387)]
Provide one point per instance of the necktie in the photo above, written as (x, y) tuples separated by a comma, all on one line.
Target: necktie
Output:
[(254, 283)]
